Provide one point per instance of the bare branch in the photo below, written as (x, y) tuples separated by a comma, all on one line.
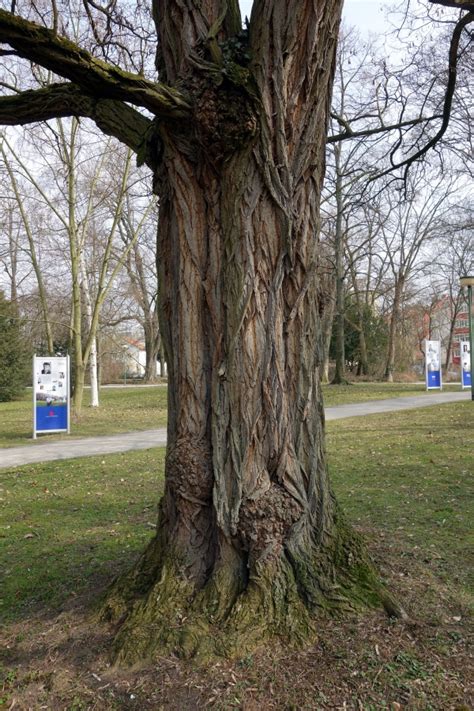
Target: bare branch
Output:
[(59, 100), (349, 133), (65, 58), (448, 99)]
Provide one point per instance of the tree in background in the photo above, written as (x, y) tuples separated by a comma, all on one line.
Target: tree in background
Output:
[(142, 283), (15, 358), (409, 235), (365, 337), (81, 206)]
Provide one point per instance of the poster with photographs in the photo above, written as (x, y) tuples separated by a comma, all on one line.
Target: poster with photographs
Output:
[(433, 364), (466, 370), (51, 394)]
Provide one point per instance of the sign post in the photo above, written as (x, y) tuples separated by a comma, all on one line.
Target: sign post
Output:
[(466, 369), (433, 365), (51, 394)]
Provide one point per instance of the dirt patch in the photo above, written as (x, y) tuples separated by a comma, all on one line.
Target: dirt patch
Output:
[(363, 663)]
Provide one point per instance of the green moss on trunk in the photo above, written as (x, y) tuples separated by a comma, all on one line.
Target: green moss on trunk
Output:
[(159, 611)]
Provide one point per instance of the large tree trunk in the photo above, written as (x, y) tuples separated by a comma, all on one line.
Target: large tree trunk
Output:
[(249, 541)]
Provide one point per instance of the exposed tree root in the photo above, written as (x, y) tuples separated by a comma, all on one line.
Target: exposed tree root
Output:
[(159, 611)]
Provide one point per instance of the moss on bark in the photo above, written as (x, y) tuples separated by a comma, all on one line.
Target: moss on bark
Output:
[(159, 611)]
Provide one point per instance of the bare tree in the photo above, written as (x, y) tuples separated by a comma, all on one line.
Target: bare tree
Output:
[(455, 258), (43, 298), (143, 281), (411, 224)]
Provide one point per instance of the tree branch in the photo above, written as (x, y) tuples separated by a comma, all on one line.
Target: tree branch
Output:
[(457, 4), (59, 100), (63, 57), (349, 133), (448, 98)]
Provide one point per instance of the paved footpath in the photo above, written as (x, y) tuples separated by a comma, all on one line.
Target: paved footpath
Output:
[(124, 442)]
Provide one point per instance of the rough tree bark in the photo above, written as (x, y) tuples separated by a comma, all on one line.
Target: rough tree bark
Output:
[(249, 542)]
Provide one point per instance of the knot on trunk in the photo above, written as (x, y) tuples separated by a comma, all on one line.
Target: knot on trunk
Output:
[(264, 523), (225, 120), (189, 470)]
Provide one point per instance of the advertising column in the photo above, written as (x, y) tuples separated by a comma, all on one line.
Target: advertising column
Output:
[(466, 370), (433, 365), (50, 394)]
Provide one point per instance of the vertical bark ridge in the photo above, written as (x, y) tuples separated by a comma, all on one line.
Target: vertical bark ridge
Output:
[(184, 27), (186, 220), (293, 63)]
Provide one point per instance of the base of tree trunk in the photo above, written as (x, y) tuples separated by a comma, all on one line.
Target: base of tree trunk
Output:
[(158, 611), (339, 381), (151, 379)]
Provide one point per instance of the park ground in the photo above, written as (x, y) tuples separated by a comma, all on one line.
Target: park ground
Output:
[(404, 480)]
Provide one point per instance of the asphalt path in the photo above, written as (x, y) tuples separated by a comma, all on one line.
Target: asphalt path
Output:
[(127, 441)]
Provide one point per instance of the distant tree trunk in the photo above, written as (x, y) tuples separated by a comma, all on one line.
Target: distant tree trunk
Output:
[(362, 366), (161, 356), (340, 357), (147, 304), (93, 361), (363, 363), (13, 256), (152, 348), (94, 374), (392, 333), (249, 542), (79, 367), (327, 321), (456, 304)]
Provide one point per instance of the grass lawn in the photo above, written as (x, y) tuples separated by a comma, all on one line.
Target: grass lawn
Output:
[(141, 408), (404, 479)]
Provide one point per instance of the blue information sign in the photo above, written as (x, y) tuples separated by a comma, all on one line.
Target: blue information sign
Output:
[(50, 418), (51, 394), (433, 365), (433, 379), (466, 370)]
